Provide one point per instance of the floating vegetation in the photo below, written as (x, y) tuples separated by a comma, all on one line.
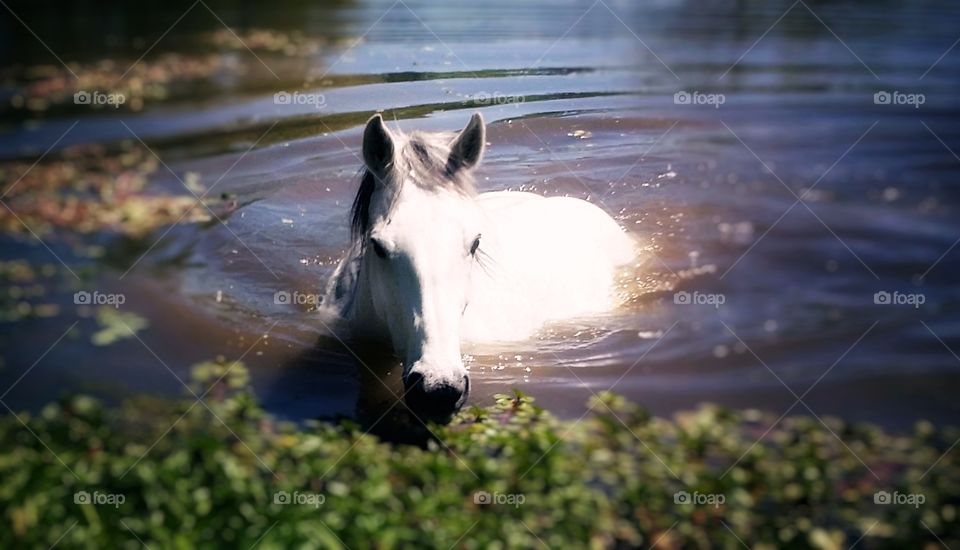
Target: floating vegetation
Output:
[(296, 44), (47, 87), (89, 191), (25, 290), (116, 325), (509, 476), (217, 60)]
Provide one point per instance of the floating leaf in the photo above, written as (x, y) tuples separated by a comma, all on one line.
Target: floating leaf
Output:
[(116, 325)]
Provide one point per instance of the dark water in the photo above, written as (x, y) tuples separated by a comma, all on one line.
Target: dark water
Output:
[(580, 100)]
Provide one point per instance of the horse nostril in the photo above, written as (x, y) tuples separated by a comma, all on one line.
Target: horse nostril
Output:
[(413, 383), (432, 401)]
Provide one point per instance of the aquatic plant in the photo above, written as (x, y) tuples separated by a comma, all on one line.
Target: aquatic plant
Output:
[(176, 71), (223, 472), (90, 190)]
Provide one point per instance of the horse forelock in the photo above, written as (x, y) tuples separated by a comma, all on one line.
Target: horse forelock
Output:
[(422, 159)]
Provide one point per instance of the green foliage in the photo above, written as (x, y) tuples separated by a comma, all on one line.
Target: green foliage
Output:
[(115, 325), (224, 473)]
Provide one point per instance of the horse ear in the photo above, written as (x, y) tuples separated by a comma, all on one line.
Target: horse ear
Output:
[(377, 145), (467, 149)]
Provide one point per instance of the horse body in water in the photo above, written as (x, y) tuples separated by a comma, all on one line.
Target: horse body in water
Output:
[(433, 263)]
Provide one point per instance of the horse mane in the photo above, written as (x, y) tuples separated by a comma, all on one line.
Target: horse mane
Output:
[(360, 212), (425, 158)]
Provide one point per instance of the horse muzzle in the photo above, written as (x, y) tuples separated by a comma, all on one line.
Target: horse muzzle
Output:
[(434, 400)]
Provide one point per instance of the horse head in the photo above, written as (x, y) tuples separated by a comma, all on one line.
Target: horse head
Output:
[(419, 235)]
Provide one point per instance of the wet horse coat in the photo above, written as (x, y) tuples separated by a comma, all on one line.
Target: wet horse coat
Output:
[(433, 263)]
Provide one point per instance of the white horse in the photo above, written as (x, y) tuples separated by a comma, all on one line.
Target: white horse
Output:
[(433, 263)]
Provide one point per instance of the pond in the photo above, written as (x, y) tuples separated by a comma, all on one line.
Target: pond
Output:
[(789, 170)]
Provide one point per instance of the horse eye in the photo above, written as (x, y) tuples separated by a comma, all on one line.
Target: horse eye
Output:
[(378, 248), (475, 245)]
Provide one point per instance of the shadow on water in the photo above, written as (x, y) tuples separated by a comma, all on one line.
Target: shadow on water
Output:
[(371, 387)]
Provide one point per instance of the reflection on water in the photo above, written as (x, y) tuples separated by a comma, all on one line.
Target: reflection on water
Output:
[(581, 101)]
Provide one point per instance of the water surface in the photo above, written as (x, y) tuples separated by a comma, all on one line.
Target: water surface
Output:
[(580, 101)]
